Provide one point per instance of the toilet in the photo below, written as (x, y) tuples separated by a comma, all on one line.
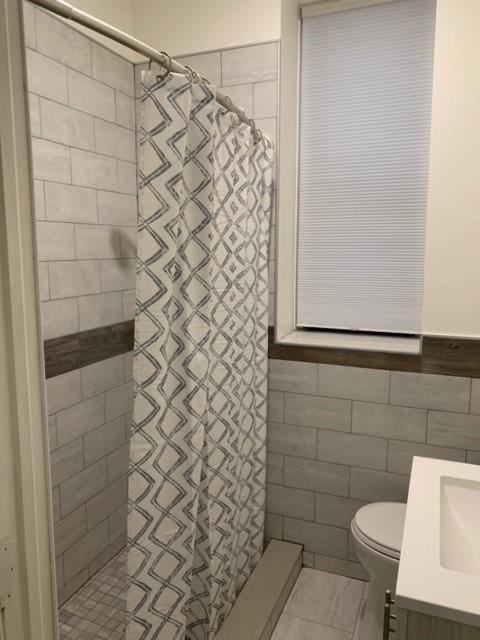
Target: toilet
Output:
[(377, 531)]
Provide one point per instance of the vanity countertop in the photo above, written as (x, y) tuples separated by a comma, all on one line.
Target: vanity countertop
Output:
[(439, 571)]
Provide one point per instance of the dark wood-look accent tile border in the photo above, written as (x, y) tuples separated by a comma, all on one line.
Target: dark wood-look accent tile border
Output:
[(447, 356), (67, 353)]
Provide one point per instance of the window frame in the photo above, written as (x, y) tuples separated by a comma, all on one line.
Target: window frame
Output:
[(286, 331)]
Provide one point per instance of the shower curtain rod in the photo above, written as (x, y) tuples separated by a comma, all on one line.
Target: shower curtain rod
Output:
[(69, 12)]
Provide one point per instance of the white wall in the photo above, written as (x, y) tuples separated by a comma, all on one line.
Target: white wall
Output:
[(452, 271), (118, 13), (191, 26)]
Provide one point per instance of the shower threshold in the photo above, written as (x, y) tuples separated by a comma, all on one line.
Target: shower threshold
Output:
[(97, 610)]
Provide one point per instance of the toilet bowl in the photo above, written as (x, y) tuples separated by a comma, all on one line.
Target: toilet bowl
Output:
[(377, 531)]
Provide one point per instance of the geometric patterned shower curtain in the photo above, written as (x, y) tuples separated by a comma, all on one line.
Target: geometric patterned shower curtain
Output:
[(197, 460)]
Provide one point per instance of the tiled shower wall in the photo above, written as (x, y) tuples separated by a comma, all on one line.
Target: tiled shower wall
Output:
[(84, 157)]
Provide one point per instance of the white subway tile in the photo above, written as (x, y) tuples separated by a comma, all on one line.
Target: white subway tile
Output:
[(112, 69), (93, 170), (454, 430), (128, 304), (66, 125), (66, 461), (400, 455), (475, 400), (77, 278), (295, 503), (117, 208), (29, 25), (128, 239), (103, 375), (207, 64), (316, 411), (242, 95), (43, 283), (46, 77), (66, 45), (117, 462), (52, 433), (314, 475), (127, 177), (318, 538), (107, 501), (51, 161), (446, 393), (114, 140), (39, 199), (268, 126), (97, 241), (352, 449), (284, 375), (68, 203), (354, 383), (100, 310), (265, 99), (119, 401), (104, 440), (85, 550), (378, 486), (55, 241), (117, 275), (77, 420), (88, 95), (125, 110), (59, 318), (70, 529), (63, 391), (401, 423), (249, 64), (34, 114)]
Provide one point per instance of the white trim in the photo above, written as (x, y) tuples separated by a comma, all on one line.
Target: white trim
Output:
[(410, 345), (33, 526)]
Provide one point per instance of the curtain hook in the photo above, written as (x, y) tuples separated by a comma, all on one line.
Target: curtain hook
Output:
[(194, 75), (168, 66)]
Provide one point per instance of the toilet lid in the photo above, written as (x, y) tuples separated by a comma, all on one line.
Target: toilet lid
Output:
[(382, 523)]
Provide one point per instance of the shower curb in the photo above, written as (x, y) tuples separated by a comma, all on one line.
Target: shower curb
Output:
[(260, 603)]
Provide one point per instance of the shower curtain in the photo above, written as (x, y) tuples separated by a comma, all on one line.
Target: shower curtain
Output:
[(197, 461)]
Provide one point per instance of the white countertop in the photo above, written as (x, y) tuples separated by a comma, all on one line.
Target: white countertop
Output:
[(439, 571)]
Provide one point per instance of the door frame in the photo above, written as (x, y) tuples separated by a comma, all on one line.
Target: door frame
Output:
[(25, 497)]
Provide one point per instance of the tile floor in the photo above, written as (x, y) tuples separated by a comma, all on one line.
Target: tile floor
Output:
[(322, 606), (97, 610)]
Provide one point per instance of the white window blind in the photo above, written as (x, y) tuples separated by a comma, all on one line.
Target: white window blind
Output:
[(365, 101)]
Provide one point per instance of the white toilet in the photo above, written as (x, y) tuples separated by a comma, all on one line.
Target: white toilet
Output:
[(377, 532)]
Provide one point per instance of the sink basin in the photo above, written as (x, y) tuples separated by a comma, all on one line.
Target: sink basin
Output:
[(460, 525), (439, 572)]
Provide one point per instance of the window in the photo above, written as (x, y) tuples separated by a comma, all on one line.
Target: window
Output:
[(365, 89)]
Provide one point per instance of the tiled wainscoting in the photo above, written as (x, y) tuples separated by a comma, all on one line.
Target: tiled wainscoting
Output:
[(89, 422), (339, 437)]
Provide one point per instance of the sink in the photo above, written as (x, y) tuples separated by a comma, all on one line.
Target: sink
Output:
[(460, 525), (439, 571)]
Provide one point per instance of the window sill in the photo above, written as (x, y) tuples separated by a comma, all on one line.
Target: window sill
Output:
[(354, 342)]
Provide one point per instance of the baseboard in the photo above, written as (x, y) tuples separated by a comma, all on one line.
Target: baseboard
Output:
[(261, 601)]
